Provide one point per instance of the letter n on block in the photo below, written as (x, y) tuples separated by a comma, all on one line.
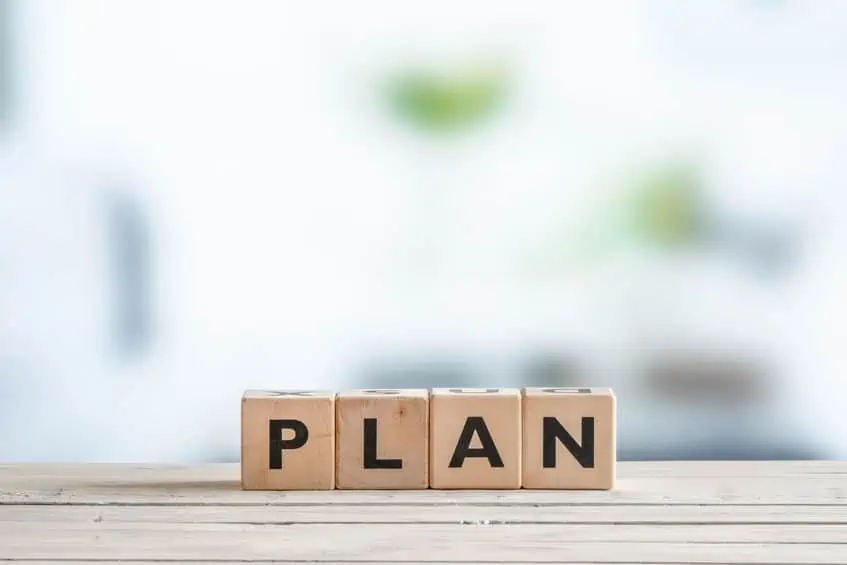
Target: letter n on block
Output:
[(287, 440), (475, 439), (569, 438)]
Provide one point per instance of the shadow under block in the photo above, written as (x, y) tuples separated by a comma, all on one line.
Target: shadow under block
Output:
[(382, 439), (288, 440), (475, 439), (568, 438)]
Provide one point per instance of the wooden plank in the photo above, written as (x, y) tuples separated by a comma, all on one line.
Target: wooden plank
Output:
[(219, 485), (451, 514), (696, 544), (573, 533), (644, 492)]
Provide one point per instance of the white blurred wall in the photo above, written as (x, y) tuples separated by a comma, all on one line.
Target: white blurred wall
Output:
[(281, 196)]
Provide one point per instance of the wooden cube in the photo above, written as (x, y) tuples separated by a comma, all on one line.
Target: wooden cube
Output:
[(568, 438), (288, 440), (382, 439), (475, 439)]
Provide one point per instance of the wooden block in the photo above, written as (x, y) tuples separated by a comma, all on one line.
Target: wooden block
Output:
[(568, 438), (475, 438), (382, 439), (288, 440)]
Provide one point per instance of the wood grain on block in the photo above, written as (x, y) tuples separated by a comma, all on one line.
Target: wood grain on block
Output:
[(382, 439), (475, 439), (288, 440), (568, 438)]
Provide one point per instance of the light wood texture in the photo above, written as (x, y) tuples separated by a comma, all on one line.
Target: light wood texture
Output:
[(687, 512), (554, 420), (454, 512), (475, 438), (638, 484), (301, 455), (382, 439)]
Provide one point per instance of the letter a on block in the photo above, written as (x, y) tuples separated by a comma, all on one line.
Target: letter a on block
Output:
[(287, 440), (568, 438), (475, 439)]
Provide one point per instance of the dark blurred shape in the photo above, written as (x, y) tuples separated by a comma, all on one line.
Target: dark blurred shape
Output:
[(706, 379), (130, 260), (447, 102), (737, 451), (6, 54), (547, 369), (769, 248)]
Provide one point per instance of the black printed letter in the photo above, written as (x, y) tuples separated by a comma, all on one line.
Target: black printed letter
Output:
[(371, 460), (277, 444), (463, 447), (553, 430)]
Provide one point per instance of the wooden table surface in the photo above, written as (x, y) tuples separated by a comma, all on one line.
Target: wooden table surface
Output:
[(675, 512)]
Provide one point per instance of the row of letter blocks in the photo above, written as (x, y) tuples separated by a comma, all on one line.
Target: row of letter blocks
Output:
[(551, 438)]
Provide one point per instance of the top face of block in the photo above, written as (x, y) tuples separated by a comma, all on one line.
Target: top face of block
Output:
[(383, 392), (475, 391), (546, 390), (288, 394)]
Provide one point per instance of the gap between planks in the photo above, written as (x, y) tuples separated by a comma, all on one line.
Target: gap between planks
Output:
[(316, 535), (363, 562), (457, 545), (395, 514)]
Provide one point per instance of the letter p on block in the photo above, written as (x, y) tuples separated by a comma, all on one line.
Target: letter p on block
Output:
[(287, 440)]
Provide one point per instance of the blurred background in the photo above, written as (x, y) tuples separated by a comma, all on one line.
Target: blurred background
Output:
[(198, 197)]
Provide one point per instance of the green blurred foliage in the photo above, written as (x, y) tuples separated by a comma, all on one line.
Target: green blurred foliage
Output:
[(659, 209), (665, 207), (448, 102)]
